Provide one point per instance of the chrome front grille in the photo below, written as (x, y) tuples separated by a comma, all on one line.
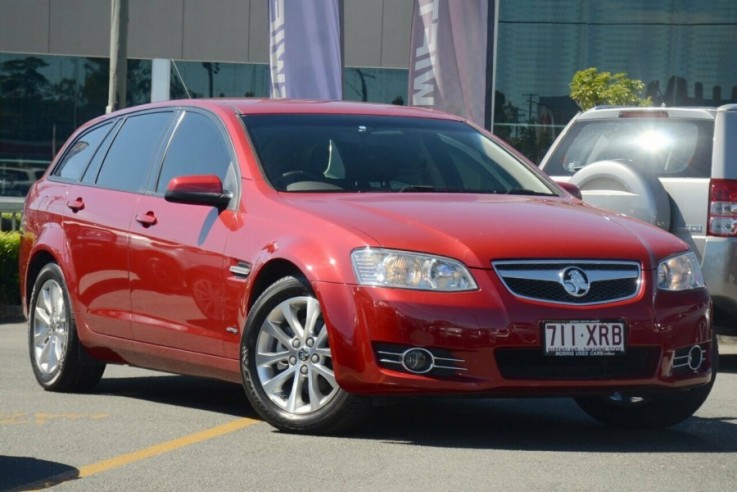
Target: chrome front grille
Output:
[(578, 282)]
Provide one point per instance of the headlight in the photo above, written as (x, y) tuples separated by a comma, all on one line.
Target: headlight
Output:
[(680, 272), (406, 270)]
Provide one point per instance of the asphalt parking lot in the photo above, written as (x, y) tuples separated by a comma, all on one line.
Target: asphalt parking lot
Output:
[(143, 430)]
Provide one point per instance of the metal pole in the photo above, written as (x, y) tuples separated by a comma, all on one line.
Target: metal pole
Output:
[(492, 28), (118, 54)]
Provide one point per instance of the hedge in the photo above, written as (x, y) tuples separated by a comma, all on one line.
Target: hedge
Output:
[(9, 280)]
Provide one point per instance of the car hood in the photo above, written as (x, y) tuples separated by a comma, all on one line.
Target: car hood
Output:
[(477, 229)]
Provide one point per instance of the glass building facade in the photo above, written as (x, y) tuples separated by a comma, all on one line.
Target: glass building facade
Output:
[(683, 50)]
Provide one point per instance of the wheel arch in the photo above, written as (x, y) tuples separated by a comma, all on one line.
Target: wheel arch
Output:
[(47, 246), (269, 273), (40, 259)]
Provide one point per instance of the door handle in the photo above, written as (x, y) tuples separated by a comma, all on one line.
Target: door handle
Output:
[(148, 219), (76, 205)]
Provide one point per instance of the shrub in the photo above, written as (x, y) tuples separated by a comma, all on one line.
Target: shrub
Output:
[(9, 221), (9, 279), (591, 88)]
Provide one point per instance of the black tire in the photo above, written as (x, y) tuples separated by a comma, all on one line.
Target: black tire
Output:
[(650, 412), (57, 356), (286, 365)]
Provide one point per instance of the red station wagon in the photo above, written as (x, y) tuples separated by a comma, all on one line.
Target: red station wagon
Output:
[(325, 253)]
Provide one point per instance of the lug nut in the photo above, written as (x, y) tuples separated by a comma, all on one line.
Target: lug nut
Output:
[(303, 369), (292, 360)]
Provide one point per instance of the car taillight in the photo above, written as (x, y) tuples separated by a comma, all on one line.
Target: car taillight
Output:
[(723, 207)]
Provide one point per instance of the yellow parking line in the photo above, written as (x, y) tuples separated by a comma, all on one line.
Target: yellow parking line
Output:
[(118, 461), (132, 457)]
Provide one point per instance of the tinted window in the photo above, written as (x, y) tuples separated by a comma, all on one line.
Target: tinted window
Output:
[(128, 161), (197, 147), (677, 148), (79, 154), (93, 168)]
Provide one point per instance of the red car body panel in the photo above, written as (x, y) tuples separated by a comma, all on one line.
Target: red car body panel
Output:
[(155, 287), (177, 271), (99, 268)]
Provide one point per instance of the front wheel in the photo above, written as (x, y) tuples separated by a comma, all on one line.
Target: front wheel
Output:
[(287, 364), (650, 412), (55, 350)]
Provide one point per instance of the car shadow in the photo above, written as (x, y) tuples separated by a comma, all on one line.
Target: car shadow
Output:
[(539, 424), (184, 391), (27, 470), (728, 363), (547, 424)]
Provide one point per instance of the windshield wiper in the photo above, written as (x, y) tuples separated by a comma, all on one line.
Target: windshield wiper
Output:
[(416, 188), (522, 191)]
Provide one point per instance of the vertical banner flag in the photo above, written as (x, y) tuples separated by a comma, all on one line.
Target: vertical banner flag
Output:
[(305, 48), (451, 57)]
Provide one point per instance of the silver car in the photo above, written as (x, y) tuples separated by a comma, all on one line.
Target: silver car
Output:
[(673, 167)]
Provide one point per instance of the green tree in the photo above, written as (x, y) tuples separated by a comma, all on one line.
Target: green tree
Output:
[(20, 78), (591, 88)]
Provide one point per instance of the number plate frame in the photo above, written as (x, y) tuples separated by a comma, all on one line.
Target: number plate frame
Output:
[(576, 338)]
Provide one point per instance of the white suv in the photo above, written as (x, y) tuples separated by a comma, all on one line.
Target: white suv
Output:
[(16, 181), (673, 167)]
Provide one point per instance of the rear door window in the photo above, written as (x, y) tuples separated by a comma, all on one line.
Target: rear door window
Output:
[(128, 162)]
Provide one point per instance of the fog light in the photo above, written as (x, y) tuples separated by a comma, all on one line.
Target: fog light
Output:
[(695, 357), (417, 360)]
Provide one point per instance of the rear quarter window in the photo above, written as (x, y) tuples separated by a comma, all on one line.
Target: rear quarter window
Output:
[(76, 159)]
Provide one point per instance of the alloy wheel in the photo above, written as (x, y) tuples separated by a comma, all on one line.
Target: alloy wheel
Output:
[(293, 358), (50, 328)]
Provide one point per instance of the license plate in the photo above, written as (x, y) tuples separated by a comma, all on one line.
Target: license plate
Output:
[(589, 338)]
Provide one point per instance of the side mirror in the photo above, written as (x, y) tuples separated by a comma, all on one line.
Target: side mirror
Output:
[(198, 190), (570, 188)]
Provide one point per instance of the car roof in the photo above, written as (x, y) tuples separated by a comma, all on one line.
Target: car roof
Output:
[(609, 112), (252, 106)]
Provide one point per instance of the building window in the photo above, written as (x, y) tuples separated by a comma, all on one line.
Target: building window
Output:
[(43, 99)]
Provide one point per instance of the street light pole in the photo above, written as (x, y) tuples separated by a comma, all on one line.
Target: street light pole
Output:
[(118, 55)]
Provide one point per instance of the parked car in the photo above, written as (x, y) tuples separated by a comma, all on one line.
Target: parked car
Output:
[(326, 253), (673, 167), (16, 181)]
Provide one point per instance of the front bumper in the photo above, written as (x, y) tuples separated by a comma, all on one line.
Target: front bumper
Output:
[(489, 342)]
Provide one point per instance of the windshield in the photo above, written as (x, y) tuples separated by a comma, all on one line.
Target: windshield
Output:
[(355, 153), (663, 147)]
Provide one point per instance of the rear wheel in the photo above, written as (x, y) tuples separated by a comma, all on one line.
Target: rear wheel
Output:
[(650, 412), (56, 353), (287, 364)]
